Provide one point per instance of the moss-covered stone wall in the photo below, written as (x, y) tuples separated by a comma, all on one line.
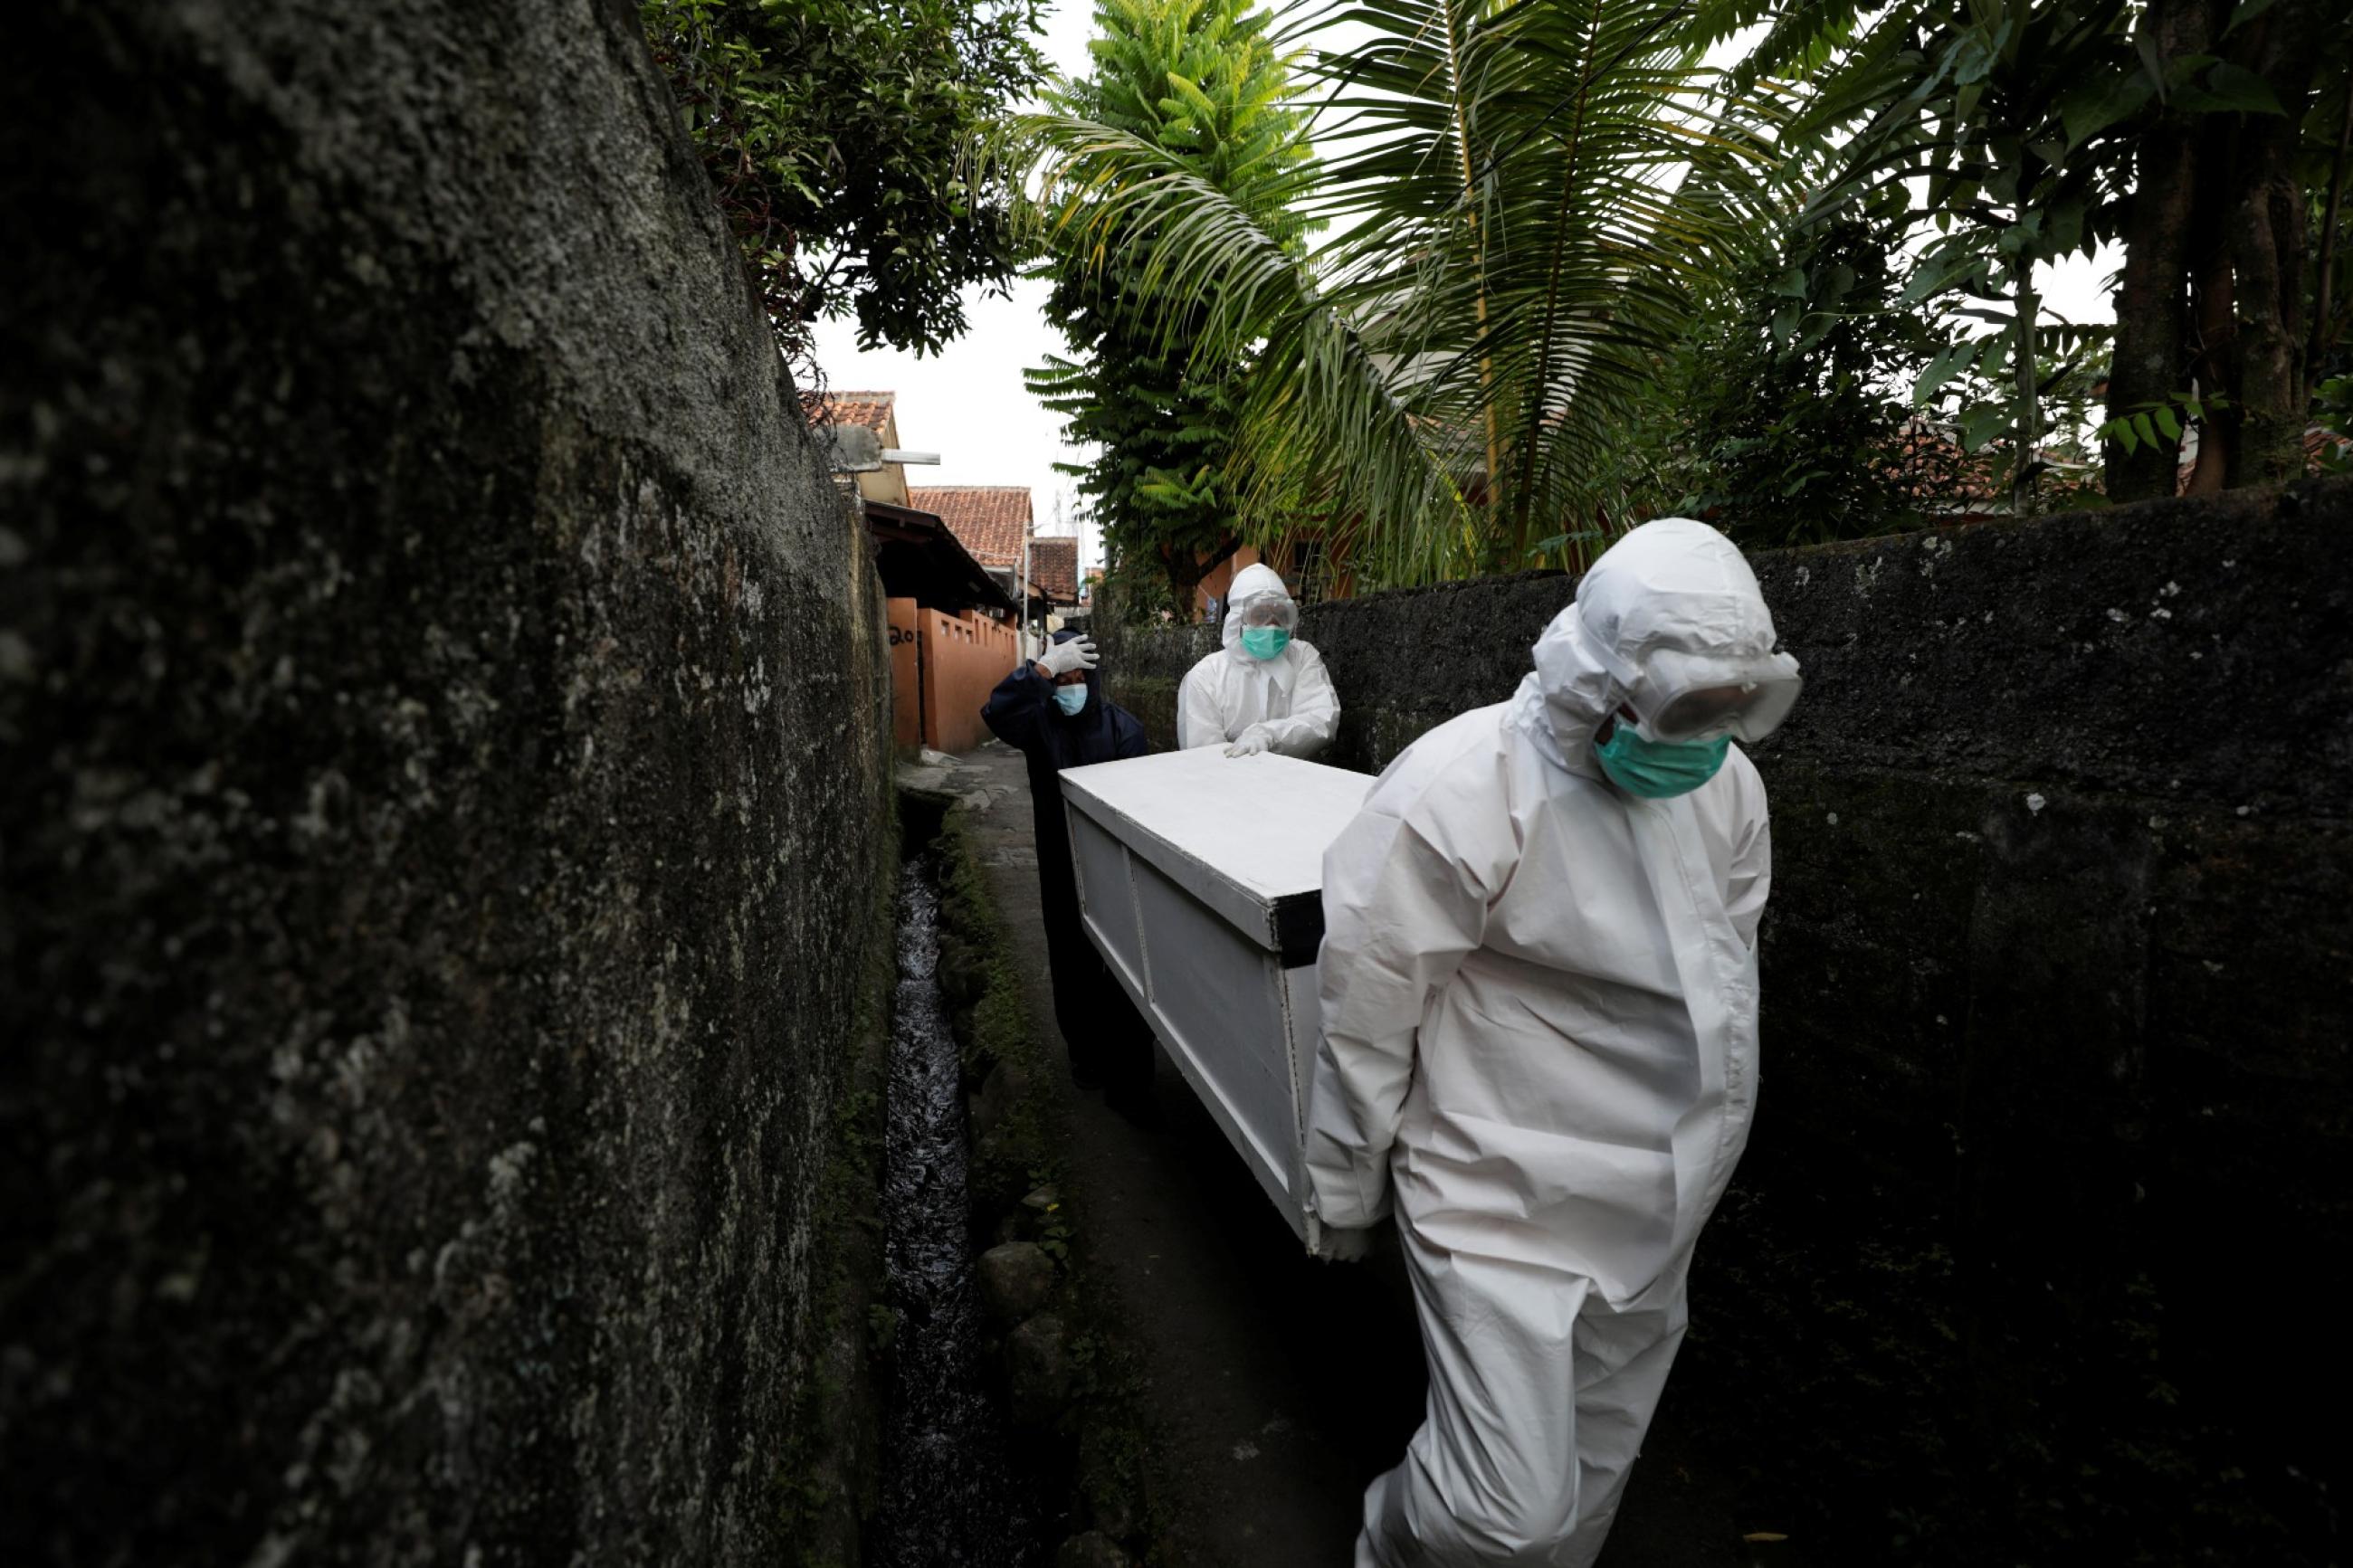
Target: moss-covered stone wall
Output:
[(443, 727), (2025, 1261)]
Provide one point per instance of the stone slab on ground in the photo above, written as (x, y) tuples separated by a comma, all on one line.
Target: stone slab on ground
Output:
[(1016, 1279)]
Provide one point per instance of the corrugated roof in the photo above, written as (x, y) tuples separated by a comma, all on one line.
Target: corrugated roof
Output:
[(991, 519), (1054, 567), (871, 409)]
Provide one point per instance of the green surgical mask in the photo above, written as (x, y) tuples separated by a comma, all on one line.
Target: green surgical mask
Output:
[(1655, 770), (1264, 642)]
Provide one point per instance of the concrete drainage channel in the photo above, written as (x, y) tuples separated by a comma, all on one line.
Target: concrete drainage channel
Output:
[(955, 1488), (1012, 1437)]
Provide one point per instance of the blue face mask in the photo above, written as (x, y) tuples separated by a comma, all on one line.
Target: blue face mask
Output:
[(1264, 642), (1658, 769), (1071, 698)]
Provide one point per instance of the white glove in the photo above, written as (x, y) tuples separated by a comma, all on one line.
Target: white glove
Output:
[(1340, 1245), (1079, 653), (1250, 743)]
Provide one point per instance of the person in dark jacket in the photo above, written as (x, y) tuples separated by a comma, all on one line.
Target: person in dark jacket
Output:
[(1054, 712)]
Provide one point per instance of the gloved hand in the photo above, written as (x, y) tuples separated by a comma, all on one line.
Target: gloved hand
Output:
[(1079, 653), (1340, 1245), (1249, 742)]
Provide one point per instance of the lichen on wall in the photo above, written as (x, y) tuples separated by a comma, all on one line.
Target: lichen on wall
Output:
[(443, 733), (2048, 1158)]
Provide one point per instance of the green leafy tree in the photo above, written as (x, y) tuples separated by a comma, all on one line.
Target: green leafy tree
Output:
[(837, 134), (1197, 81), (1788, 418), (2226, 309), (1521, 210), (2193, 130), (2009, 119)]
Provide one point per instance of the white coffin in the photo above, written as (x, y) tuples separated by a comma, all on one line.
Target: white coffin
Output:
[(1200, 878)]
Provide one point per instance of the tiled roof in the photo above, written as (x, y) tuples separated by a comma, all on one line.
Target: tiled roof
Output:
[(1972, 484), (1054, 567), (871, 409), (991, 519)]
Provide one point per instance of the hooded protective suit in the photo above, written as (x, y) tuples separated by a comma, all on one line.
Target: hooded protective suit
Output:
[(1539, 1009), (1099, 1024), (1288, 696)]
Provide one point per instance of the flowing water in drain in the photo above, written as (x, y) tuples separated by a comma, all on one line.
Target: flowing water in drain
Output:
[(951, 1496)]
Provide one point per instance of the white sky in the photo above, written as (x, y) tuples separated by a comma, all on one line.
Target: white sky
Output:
[(968, 403)]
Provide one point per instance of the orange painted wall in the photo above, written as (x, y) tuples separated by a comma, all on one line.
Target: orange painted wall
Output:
[(964, 659), (1216, 583), (906, 675), (1339, 582)]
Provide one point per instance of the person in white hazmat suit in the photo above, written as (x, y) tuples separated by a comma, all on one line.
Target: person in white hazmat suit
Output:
[(1265, 690), (1539, 1015)]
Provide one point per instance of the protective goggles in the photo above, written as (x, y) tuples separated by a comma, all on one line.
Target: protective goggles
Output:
[(1268, 610), (1696, 697)]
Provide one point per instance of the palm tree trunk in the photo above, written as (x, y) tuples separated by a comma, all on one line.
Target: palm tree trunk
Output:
[(2323, 305), (2152, 295), (2213, 323), (2029, 393), (1187, 569), (2025, 369), (2267, 248)]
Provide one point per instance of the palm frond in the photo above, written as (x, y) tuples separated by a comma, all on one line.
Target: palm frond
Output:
[(1519, 208)]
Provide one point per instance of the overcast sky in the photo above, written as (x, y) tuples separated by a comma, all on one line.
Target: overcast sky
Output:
[(970, 406)]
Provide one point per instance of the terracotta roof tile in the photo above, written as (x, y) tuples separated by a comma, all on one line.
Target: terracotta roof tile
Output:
[(1054, 563), (1977, 480), (871, 409), (991, 519)]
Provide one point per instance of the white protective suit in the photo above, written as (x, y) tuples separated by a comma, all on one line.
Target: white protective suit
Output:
[(1539, 1012), (1288, 696)]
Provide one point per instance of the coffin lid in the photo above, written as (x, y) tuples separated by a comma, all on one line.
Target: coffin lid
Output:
[(1246, 835)]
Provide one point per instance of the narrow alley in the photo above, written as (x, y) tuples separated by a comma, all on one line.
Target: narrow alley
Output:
[(1279, 1385), (1803, 714)]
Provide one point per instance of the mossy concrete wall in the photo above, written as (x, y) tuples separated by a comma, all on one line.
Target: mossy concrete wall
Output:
[(2025, 1260), (443, 730)]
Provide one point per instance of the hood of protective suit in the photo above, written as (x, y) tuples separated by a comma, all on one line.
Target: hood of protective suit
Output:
[(1095, 697), (1672, 587), (1255, 581)]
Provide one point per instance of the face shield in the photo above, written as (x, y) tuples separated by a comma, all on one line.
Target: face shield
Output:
[(1668, 635), (1269, 612), (1683, 697)]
